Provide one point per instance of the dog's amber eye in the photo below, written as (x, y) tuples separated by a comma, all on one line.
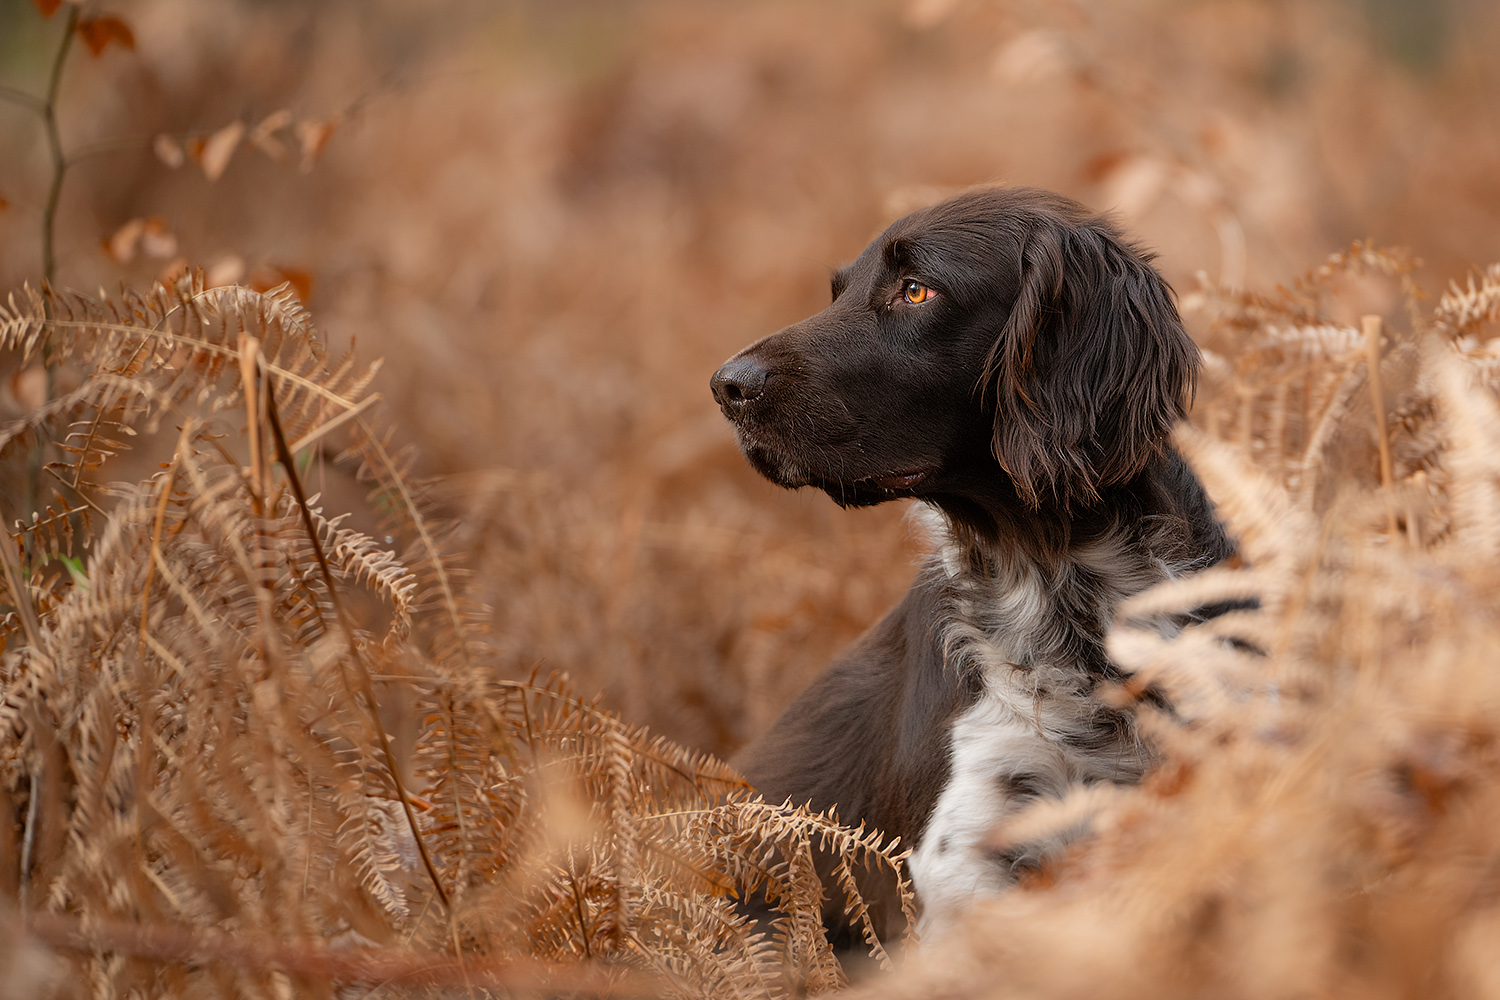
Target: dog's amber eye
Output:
[(915, 292)]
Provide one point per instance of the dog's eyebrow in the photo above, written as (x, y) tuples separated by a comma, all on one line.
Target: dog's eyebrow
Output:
[(905, 253), (932, 260), (898, 253)]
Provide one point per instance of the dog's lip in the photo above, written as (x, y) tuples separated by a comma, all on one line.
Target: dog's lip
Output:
[(899, 480)]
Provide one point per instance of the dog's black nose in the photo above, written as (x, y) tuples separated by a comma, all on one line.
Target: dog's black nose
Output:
[(738, 382)]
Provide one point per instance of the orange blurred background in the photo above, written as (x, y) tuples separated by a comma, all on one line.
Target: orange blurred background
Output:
[(554, 219)]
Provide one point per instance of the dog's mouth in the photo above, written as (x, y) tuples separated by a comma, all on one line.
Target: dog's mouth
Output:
[(872, 490), (790, 471), (897, 480)]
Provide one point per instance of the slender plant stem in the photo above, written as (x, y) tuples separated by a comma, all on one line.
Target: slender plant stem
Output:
[(1372, 330), (289, 467), (28, 838), (54, 144), (47, 108)]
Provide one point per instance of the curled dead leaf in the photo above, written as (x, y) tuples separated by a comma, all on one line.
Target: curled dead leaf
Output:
[(122, 245), (98, 32), (218, 148), (168, 151), (312, 136), (263, 136)]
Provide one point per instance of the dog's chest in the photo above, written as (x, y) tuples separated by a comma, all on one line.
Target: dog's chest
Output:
[(1037, 728)]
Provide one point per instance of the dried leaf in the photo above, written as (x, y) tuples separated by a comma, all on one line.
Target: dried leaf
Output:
[(263, 136), (168, 151), (312, 136), (98, 32), (122, 245), (218, 148)]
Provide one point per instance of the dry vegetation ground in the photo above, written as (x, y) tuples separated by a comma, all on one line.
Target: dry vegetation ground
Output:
[(553, 221)]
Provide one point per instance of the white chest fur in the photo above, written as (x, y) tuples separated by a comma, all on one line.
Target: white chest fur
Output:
[(1036, 728)]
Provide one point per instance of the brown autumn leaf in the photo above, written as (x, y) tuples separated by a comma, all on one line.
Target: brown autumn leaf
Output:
[(168, 150), (47, 7), (312, 136), (153, 237), (122, 245), (98, 32), (263, 136), (218, 148)]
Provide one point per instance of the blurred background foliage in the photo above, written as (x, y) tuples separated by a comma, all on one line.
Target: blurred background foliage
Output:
[(554, 218)]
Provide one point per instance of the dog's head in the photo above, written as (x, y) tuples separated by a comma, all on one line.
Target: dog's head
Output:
[(1001, 330)]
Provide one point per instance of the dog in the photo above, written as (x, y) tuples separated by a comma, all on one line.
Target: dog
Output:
[(1011, 361)]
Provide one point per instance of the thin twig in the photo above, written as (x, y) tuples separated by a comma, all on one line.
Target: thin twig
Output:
[(126, 143), (284, 455), (20, 592), (28, 838), (1372, 329), (48, 110), (249, 351), (54, 145)]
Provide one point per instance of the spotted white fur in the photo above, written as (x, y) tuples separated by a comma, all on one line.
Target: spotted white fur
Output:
[(1036, 727)]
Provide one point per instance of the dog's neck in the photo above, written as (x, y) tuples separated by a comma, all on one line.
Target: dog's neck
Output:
[(1044, 584), (1165, 499)]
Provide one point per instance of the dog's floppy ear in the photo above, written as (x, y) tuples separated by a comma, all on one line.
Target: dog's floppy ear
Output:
[(1092, 367)]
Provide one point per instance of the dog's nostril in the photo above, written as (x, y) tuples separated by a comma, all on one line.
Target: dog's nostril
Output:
[(738, 382)]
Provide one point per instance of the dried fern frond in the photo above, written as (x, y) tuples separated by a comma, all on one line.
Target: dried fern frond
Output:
[(1463, 311), (193, 723), (1361, 257)]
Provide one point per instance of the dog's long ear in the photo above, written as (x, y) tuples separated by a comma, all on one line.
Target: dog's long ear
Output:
[(1091, 369)]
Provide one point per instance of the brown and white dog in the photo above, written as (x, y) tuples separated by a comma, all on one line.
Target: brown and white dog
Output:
[(1009, 360)]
